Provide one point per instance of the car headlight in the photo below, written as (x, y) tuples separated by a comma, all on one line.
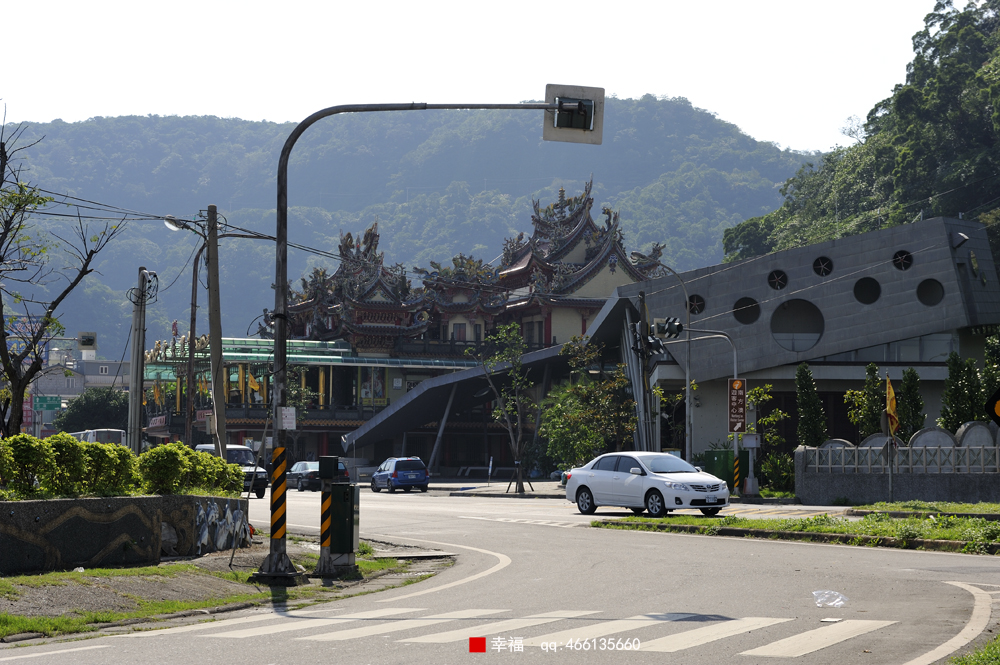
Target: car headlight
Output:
[(678, 486), (261, 474)]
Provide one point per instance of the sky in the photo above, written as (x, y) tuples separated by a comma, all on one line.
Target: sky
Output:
[(789, 72)]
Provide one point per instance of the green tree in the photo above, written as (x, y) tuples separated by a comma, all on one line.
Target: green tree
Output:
[(508, 380), (909, 405), (962, 399), (991, 367), (765, 423), (94, 408), (32, 260), (572, 439), (865, 406), (811, 429)]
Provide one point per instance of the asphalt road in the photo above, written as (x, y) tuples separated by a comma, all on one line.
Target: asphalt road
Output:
[(538, 585)]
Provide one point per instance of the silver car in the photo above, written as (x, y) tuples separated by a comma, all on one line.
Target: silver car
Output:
[(653, 482)]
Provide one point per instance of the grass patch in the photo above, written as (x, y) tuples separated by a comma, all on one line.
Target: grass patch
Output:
[(933, 507), (988, 654), (977, 532), (768, 493)]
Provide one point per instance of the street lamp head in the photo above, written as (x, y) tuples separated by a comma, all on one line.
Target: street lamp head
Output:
[(171, 223)]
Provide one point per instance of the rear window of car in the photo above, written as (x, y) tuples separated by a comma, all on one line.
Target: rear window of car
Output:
[(606, 463), (409, 465)]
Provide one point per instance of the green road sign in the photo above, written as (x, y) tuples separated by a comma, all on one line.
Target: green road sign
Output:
[(47, 402)]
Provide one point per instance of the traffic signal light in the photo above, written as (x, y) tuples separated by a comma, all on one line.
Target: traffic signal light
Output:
[(668, 328)]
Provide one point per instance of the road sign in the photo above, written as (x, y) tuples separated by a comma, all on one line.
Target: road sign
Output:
[(737, 406), (47, 402), (585, 125)]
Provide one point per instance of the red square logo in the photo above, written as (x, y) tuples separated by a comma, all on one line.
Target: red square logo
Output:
[(477, 645)]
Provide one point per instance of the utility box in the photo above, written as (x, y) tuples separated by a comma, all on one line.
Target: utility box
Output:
[(328, 467), (719, 463), (345, 519)]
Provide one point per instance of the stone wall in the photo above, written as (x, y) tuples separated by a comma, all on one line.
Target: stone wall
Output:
[(61, 534)]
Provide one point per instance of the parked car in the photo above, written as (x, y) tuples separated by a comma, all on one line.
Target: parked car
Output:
[(656, 483), (253, 475), (401, 472), (305, 476)]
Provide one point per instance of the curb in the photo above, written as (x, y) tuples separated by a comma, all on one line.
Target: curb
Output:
[(991, 517), (845, 538)]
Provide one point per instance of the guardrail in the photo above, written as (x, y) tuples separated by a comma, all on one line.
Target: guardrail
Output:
[(932, 460)]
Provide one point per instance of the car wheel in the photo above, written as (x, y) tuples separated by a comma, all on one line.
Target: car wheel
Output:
[(299, 486), (709, 512), (260, 493), (389, 486), (375, 487), (423, 488), (654, 504), (585, 501), (638, 511)]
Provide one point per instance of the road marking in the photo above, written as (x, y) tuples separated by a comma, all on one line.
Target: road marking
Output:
[(977, 624), (498, 627), (503, 562), (699, 636), (54, 653), (202, 626), (606, 628), (405, 624), (814, 640), (305, 624), (512, 520)]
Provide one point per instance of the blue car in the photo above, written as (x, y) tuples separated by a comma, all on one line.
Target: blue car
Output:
[(401, 472)]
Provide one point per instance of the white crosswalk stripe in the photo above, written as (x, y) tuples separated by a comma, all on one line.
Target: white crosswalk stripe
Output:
[(814, 640), (404, 624), (305, 624), (605, 628), (498, 627), (718, 631)]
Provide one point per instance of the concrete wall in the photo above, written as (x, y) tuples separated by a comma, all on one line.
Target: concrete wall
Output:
[(824, 489), (60, 534)]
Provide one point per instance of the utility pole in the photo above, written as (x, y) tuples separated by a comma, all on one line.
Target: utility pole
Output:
[(136, 369), (189, 409), (219, 398)]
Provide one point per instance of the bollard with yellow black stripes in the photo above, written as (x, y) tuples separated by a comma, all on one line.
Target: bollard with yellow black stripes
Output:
[(338, 521), (736, 475), (277, 567)]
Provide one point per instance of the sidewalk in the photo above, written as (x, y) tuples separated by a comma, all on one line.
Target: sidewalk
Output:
[(549, 489)]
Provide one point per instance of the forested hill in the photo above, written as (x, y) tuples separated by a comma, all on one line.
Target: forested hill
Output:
[(439, 183), (930, 149)]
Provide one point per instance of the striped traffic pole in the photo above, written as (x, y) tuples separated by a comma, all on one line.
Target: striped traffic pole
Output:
[(326, 519), (277, 567), (736, 475)]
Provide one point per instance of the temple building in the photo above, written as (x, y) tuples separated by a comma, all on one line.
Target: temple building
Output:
[(365, 335)]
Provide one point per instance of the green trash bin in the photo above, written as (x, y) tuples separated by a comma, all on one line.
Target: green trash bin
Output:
[(719, 463)]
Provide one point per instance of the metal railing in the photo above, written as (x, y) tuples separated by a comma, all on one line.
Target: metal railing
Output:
[(980, 459)]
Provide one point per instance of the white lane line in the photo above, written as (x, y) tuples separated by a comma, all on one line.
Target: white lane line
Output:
[(396, 626), (980, 618), (54, 653), (515, 520), (305, 624), (503, 562), (201, 626), (814, 640), (699, 636), (605, 628), (498, 627)]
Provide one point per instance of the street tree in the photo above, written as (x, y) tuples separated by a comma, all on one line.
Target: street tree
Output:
[(865, 406), (962, 399), (94, 408), (811, 429), (39, 269), (910, 405), (508, 381)]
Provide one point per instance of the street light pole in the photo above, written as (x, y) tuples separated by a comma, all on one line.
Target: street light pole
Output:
[(189, 411)]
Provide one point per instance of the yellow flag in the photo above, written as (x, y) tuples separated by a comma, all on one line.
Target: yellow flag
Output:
[(252, 382), (890, 406)]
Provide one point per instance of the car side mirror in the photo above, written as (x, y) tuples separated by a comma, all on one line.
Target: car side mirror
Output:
[(635, 471), (698, 468)]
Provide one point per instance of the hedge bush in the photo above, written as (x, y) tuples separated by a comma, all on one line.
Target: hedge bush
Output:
[(112, 470), (30, 464), (164, 469), (69, 474)]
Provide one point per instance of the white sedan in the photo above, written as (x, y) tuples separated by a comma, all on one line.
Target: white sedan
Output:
[(653, 482)]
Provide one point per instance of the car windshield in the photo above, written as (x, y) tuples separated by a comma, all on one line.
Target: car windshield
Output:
[(666, 464), (311, 466), (409, 465), (240, 456)]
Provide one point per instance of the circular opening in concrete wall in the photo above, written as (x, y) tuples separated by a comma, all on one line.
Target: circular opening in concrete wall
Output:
[(902, 260), (696, 304), (746, 310), (797, 325), (930, 292), (777, 280), (867, 290), (823, 266)]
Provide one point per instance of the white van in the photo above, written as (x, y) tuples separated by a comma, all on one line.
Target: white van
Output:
[(100, 436)]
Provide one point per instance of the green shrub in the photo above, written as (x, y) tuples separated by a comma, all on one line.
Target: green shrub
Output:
[(208, 471), (164, 469), (779, 472), (69, 472), (6, 463), (31, 462), (112, 470)]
